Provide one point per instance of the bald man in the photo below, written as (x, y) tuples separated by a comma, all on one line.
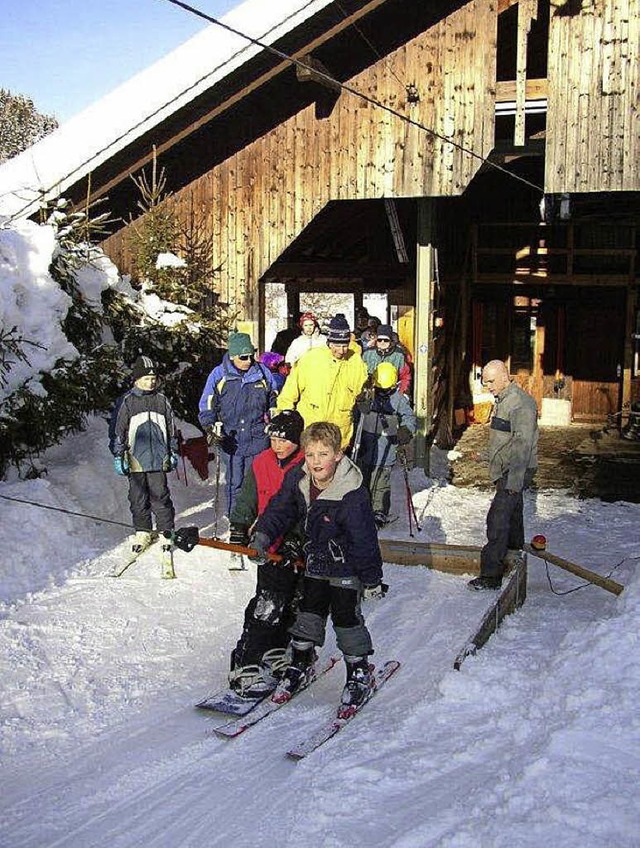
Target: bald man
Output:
[(513, 449)]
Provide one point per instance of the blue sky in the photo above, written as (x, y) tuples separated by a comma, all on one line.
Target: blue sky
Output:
[(65, 54)]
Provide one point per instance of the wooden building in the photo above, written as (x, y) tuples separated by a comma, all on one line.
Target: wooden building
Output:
[(477, 161)]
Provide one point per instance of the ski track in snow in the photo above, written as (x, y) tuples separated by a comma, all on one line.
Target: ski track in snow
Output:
[(535, 742)]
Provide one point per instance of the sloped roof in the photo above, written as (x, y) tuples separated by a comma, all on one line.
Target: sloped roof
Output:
[(90, 138)]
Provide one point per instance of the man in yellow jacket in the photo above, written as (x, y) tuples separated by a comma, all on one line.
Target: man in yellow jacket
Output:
[(324, 384)]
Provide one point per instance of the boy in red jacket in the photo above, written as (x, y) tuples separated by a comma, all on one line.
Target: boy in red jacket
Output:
[(259, 653)]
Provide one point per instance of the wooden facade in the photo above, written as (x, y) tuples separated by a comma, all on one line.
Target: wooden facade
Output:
[(593, 118), (262, 197), (292, 179)]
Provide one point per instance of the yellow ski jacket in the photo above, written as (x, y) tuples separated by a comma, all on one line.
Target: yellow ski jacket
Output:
[(322, 388)]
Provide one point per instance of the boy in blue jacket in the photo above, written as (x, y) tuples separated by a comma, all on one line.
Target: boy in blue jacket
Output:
[(142, 439), (326, 496)]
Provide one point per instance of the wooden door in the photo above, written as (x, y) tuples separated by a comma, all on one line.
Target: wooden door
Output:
[(594, 350)]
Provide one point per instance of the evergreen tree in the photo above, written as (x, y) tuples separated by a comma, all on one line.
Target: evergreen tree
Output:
[(21, 125)]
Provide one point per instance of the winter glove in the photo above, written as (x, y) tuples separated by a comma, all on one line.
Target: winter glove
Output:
[(374, 593), (364, 401), (404, 435), (170, 462), (291, 552), (121, 465), (260, 543), (238, 535), (214, 433)]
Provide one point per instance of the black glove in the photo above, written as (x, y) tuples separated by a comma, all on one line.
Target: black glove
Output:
[(291, 551), (238, 535), (404, 435), (260, 542)]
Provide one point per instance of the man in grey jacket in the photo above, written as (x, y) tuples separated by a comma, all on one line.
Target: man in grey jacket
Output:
[(513, 449)]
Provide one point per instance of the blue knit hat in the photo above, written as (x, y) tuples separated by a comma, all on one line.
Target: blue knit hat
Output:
[(240, 344), (339, 331)]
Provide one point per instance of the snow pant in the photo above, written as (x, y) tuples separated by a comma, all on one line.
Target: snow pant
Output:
[(505, 527), (377, 478), (235, 467), (339, 596), (149, 493), (269, 614)]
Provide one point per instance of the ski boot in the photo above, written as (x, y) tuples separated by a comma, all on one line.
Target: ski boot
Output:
[(141, 541), (358, 687), (259, 679), (485, 582), (298, 674)]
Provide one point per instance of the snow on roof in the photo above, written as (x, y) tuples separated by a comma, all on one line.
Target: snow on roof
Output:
[(110, 124)]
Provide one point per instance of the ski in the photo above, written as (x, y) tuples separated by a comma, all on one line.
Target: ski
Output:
[(334, 725), (119, 570), (167, 569), (234, 728), (231, 703)]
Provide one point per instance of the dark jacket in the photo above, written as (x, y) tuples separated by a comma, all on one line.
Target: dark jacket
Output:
[(513, 437), (339, 528), (142, 428), (241, 401)]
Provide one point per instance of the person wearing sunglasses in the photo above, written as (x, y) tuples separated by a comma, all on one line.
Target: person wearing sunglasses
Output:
[(234, 408)]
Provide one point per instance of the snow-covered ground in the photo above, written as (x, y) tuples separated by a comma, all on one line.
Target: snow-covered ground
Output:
[(535, 742)]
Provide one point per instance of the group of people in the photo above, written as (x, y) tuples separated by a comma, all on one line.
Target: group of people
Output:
[(291, 489), (308, 469)]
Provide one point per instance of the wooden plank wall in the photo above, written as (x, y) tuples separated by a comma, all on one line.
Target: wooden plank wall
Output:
[(593, 121), (259, 200)]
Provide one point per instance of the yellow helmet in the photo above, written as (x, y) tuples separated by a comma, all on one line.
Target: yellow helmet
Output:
[(385, 375)]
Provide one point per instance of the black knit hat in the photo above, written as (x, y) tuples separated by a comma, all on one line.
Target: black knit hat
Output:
[(385, 331), (143, 367), (288, 425), (339, 331)]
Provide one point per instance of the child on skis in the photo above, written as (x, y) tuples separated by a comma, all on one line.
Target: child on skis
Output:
[(343, 561), (387, 422), (260, 651), (143, 442)]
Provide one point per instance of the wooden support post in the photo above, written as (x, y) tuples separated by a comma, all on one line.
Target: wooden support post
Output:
[(423, 328), (527, 11), (629, 350), (293, 303)]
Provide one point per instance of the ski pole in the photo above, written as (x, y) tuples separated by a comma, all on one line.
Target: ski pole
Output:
[(181, 452), (410, 506), (357, 439), (216, 496)]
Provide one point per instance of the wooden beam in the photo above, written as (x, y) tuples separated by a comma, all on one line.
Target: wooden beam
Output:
[(527, 11), (510, 598), (337, 269), (161, 147), (423, 345), (579, 570), (535, 89), (309, 73), (452, 559)]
